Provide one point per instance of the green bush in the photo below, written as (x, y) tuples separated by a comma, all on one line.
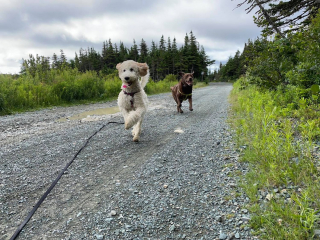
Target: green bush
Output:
[(294, 60), (65, 86)]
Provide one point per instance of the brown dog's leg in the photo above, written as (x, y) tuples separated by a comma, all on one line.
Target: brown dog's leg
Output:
[(190, 104), (179, 106), (174, 95)]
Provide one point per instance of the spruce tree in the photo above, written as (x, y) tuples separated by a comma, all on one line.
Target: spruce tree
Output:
[(55, 62), (123, 52), (134, 53), (143, 51), (289, 15)]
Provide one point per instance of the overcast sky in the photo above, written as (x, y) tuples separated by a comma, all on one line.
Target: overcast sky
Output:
[(44, 27)]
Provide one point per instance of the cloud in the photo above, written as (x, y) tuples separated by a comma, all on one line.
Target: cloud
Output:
[(45, 27)]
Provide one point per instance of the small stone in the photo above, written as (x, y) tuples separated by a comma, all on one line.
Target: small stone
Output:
[(283, 191), (317, 233), (171, 228), (245, 219), (237, 235), (222, 236), (79, 214), (244, 210), (269, 196), (99, 237), (128, 226), (165, 186), (218, 218), (113, 213)]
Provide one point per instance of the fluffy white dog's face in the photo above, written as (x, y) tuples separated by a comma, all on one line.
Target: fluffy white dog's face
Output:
[(130, 71)]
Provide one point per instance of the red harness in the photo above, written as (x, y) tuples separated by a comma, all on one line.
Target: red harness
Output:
[(130, 94)]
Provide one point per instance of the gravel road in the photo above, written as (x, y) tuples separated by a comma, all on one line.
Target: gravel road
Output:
[(178, 182)]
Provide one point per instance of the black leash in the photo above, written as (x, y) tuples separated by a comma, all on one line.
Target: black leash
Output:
[(54, 183)]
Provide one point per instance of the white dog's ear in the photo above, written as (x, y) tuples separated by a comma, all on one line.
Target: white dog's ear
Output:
[(143, 69), (118, 66)]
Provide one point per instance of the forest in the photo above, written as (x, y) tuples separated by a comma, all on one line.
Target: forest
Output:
[(163, 58)]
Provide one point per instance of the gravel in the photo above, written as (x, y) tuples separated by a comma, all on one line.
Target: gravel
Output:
[(178, 182)]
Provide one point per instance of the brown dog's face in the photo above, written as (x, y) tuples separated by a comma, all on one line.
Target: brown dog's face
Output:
[(187, 78)]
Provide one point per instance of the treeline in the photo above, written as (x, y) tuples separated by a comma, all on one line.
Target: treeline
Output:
[(279, 62), (238, 64), (163, 58)]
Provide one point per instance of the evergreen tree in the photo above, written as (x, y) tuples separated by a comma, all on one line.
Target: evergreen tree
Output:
[(161, 63), (123, 52), (116, 53), (94, 60), (76, 61), (55, 61), (153, 64), (134, 53), (289, 15), (169, 57), (193, 56), (143, 51), (63, 59), (175, 57)]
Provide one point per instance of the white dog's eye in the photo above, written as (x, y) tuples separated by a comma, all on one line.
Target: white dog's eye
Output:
[(124, 70), (131, 69)]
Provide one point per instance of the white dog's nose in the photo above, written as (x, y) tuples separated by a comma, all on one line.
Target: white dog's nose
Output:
[(126, 78)]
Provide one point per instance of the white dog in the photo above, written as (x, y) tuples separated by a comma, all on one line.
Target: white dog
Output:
[(132, 100)]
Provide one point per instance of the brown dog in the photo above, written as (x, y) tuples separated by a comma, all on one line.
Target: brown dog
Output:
[(183, 90)]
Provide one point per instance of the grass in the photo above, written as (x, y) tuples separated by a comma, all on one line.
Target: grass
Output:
[(66, 87), (277, 138)]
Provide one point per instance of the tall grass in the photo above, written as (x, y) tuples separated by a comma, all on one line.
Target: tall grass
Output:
[(276, 134), (61, 87), (66, 86)]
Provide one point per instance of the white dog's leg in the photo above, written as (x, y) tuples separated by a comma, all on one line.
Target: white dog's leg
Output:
[(134, 117), (125, 115), (136, 131)]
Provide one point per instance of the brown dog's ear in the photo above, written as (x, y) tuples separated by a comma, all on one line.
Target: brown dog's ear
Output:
[(118, 66), (192, 73), (143, 69)]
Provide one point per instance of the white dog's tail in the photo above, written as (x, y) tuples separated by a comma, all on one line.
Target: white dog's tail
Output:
[(144, 80)]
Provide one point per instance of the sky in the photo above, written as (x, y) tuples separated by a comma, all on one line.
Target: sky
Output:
[(44, 27)]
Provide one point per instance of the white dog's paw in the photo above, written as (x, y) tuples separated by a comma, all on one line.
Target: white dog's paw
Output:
[(127, 125), (136, 138)]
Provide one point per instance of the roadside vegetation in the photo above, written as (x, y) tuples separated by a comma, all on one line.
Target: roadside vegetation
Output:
[(275, 116), (91, 76)]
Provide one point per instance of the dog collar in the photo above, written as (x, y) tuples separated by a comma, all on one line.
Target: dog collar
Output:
[(190, 94), (130, 94)]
